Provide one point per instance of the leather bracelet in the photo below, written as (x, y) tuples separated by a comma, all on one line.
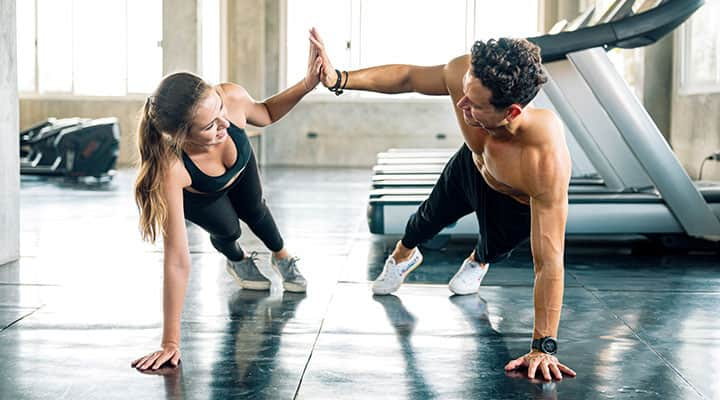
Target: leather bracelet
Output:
[(336, 88)]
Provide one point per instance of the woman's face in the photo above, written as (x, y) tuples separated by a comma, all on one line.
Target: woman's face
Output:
[(210, 122)]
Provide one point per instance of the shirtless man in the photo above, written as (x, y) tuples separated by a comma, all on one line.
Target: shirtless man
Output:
[(513, 171)]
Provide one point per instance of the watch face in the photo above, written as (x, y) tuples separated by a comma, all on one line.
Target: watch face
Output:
[(549, 346)]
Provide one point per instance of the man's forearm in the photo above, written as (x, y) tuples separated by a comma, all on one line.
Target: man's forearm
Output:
[(392, 78), (548, 298)]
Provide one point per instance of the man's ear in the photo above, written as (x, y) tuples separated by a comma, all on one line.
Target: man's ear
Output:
[(512, 112)]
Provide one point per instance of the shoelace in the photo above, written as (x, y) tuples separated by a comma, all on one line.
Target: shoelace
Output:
[(292, 264), (254, 257), (392, 267)]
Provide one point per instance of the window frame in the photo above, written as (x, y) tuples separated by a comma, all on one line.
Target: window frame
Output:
[(686, 86), (71, 94)]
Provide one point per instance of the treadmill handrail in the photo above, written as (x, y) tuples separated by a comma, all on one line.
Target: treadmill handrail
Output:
[(634, 31)]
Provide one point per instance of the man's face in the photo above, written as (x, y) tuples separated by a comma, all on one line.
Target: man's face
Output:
[(476, 107)]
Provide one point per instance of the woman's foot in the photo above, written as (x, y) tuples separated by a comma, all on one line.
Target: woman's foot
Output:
[(287, 267), (247, 274)]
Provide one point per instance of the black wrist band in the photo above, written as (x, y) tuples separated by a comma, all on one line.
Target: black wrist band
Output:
[(347, 77), (336, 87)]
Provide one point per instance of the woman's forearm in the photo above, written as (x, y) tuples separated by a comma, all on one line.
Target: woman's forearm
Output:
[(175, 280), (281, 103)]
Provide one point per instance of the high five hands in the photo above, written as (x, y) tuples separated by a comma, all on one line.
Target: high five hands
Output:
[(327, 74)]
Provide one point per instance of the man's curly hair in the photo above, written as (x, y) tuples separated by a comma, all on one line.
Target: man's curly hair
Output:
[(510, 68)]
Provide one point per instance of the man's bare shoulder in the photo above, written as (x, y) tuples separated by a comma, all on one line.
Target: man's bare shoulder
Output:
[(546, 127), (546, 159), (455, 70)]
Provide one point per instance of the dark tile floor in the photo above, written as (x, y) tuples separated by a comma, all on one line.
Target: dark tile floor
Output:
[(85, 299)]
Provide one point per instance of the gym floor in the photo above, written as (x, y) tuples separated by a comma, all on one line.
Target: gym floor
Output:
[(85, 299)]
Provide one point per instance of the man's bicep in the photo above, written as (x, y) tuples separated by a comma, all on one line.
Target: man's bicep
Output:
[(428, 80)]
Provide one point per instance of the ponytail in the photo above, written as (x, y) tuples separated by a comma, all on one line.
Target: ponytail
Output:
[(149, 196), (164, 125)]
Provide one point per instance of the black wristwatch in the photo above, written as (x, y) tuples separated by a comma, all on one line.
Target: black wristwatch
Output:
[(546, 345)]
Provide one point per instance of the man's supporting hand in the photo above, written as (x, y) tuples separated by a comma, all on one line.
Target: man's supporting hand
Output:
[(546, 363)]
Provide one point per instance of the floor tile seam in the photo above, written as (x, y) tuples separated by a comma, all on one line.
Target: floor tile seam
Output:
[(642, 340), (315, 342), (406, 284), (17, 307), (652, 291), (20, 319)]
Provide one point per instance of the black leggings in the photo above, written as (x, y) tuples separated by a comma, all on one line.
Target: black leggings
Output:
[(218, 213), (504, 222)]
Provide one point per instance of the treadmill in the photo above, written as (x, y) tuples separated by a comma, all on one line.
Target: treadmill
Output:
[(626, 180)]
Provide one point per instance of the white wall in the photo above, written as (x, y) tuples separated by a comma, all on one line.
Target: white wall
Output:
[(9, 151)]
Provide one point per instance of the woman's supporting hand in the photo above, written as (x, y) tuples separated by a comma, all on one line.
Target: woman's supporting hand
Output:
[(168, 352)]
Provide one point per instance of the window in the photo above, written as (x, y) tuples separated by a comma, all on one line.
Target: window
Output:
[(210, 40), (88, 47), (363, 33), (700, 51), (26, 45)]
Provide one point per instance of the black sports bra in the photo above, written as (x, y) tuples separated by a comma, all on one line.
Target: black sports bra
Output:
[(210, 184)]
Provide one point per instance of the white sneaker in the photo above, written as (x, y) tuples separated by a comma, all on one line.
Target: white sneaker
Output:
[(394, 274), (468, 278)]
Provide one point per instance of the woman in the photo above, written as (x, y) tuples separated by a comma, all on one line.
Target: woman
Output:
[(196, 163)]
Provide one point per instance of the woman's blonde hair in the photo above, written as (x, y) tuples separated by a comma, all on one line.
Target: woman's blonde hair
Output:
[(165, 121)]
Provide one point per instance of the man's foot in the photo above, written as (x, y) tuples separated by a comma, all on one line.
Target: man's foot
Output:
[(394, 273), (247, 274), (293, 281), (468, 278)]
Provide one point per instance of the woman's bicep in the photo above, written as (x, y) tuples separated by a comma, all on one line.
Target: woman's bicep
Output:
[(240, 103)]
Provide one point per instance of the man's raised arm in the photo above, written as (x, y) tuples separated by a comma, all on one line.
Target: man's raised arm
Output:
[(392, 78)]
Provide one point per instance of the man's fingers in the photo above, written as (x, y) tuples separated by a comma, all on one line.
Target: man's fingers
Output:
[(317, 44), (565, 370), (532, 368), (514, 364), (556, 371), (316, 35), (545, 370)]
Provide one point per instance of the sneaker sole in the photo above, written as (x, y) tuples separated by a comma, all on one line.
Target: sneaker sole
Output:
[(294, 287), (386, 292), (245, 284)]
